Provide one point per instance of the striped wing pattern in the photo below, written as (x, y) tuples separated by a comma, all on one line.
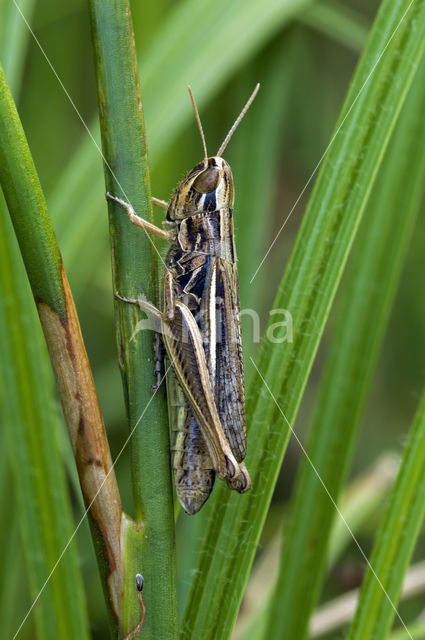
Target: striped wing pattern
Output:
[(184, 344), (223, 346)]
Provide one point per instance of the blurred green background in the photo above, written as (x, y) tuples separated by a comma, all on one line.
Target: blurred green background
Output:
[(304, 63)]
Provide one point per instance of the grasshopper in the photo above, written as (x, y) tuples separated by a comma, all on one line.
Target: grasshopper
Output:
[(200, 328)]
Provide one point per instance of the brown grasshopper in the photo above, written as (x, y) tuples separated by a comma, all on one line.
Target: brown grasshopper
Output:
[(200, 328)]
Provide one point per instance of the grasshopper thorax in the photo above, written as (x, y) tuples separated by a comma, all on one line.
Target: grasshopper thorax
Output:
[(207, 187)]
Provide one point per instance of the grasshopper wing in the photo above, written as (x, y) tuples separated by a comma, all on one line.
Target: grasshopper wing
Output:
[(184, 345), (220, 318)]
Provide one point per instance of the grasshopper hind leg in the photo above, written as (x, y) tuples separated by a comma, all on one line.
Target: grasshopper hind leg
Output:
[(241, 484)]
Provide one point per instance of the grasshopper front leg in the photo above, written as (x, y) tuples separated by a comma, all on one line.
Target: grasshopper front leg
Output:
[(140, 222)]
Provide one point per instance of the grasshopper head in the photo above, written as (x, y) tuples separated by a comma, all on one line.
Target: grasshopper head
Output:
[(208, 187)]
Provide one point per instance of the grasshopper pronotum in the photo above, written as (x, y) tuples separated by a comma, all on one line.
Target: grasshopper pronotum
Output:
[(200, 327)]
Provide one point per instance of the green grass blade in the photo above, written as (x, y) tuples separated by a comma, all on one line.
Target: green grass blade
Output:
[(356, 338), (416, 630), (134, 272), (14, 36), (31, 424), (50, 289), (23, 193), (307, 291), (217, 57), (395, 540), (341, 23), (167, 68), (358, 504), (13, 44), (11, 592), (259, 137)]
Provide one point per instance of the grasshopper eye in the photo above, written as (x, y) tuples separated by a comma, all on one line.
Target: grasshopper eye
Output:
[(207, 181)]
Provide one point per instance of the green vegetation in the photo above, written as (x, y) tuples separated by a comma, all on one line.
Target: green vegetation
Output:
[(328, 168)]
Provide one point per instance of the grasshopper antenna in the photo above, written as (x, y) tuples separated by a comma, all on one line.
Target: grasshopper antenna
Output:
[(198, 120), (237, 121)]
